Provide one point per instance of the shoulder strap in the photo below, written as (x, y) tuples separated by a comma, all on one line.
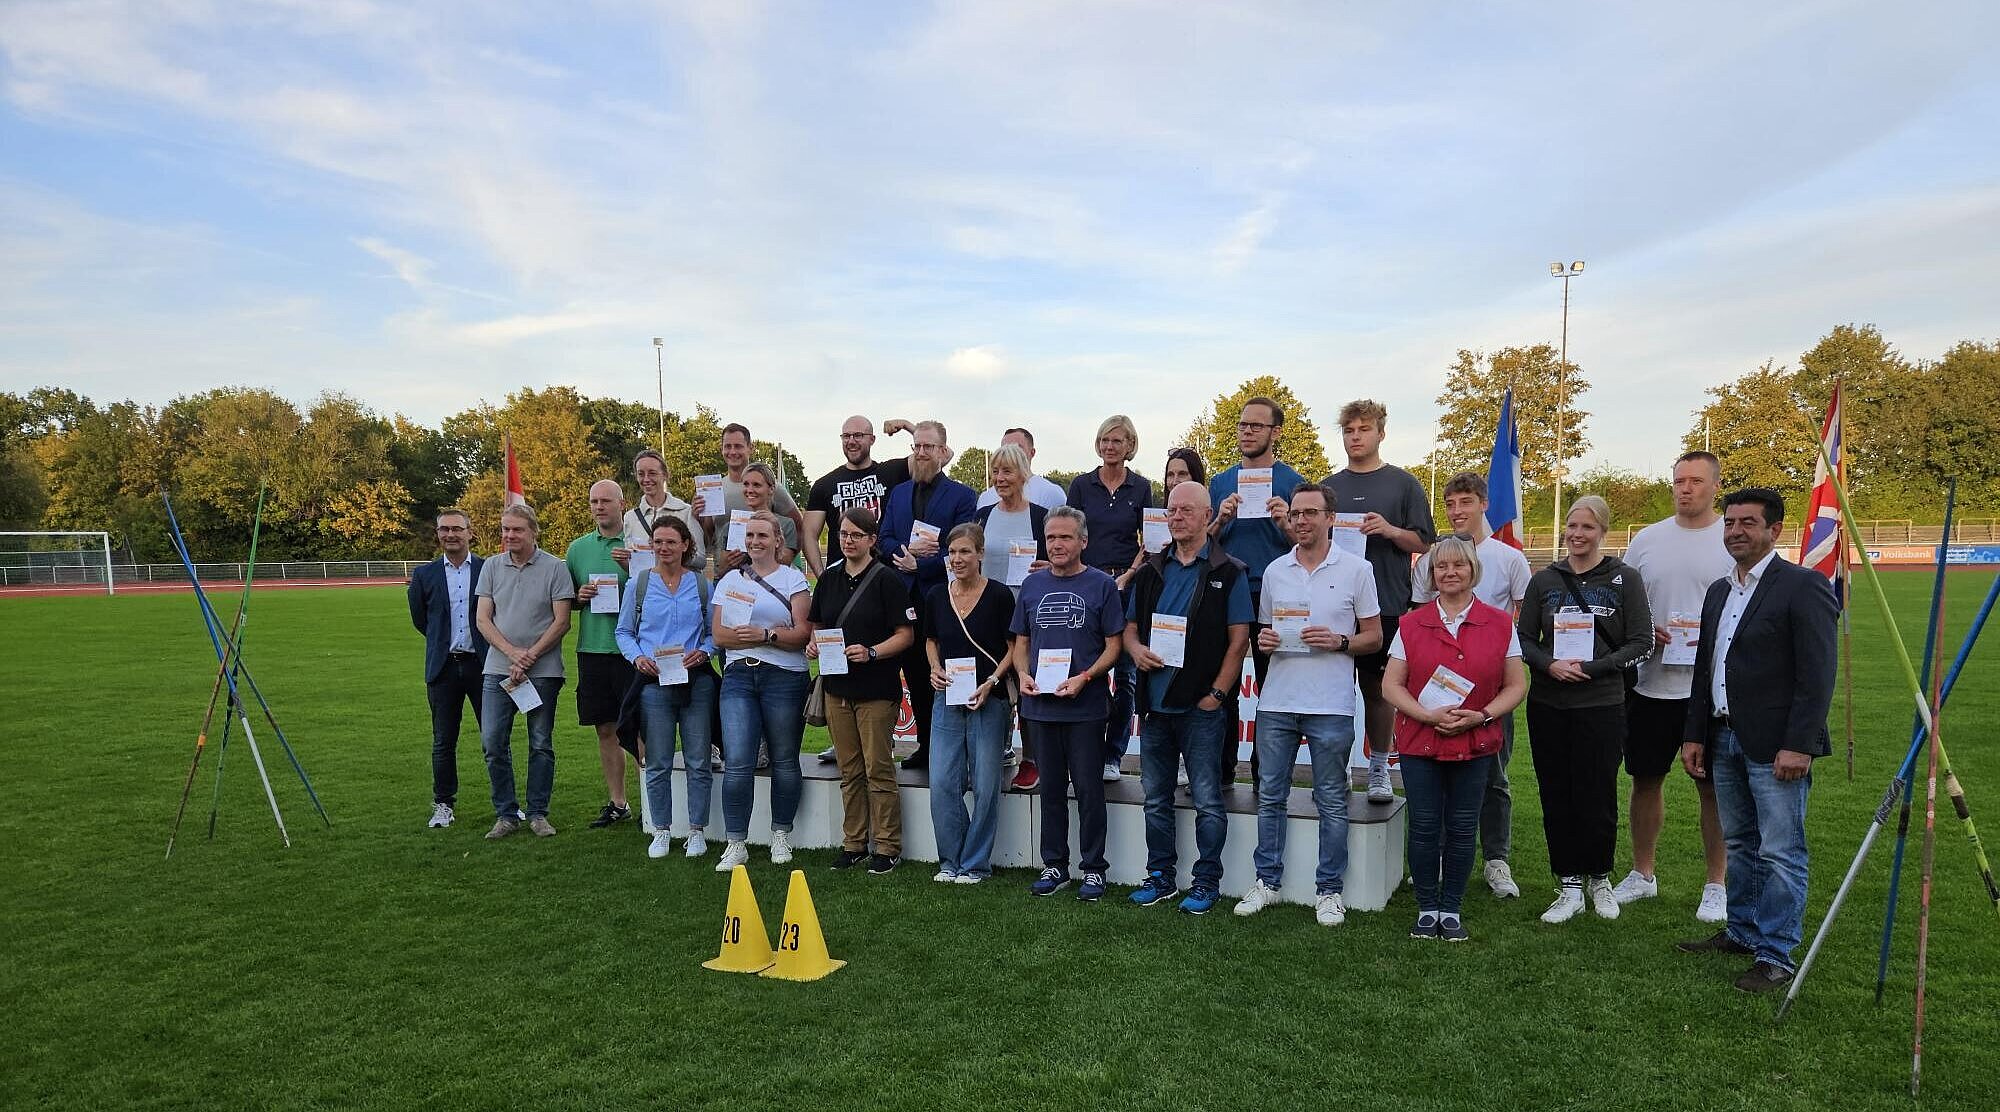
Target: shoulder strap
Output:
[(970, 640), (860, 585), (639, 602), (1574, 586), (762, 582)]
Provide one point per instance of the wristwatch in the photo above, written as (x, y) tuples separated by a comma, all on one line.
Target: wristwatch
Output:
[(871, 652), (1344, 642), (770, 637), (1218, 694), (1485, 719)]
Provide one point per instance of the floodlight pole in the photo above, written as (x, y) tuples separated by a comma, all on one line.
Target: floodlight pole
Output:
[(1558, 270), (660, 385)]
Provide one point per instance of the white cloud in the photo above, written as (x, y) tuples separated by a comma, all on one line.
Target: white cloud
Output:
[(984, 362)]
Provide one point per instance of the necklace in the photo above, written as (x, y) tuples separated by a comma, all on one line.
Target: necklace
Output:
[(970, 598)]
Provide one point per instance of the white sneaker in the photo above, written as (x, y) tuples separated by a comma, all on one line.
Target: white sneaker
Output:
[(1180, 778), (1569, 901), (1500, 879), (1010, 757), (781, 847), (441, 815), (696, 844), (1112, 773), (1714, 904), (827, 756), (1329, 910), (1636, 886), (966, 878), (1259, 897), (1380, 790), (733, 854), (945, 876), (1602, 900), (663, 844)]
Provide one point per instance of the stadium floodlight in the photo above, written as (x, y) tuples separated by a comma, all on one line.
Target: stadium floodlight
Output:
[(56, 558), (1555, 270), (1576, 267)]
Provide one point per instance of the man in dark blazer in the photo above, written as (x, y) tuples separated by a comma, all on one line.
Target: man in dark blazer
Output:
[(443, 609), (1763, 680), (942, 504)]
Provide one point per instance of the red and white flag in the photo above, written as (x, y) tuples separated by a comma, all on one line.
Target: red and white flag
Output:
[(1822, 543), (514, 496)]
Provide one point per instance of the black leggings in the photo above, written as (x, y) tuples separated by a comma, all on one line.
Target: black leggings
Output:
[(1576, 755)]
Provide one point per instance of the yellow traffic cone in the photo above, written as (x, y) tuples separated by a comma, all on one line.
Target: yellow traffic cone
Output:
[(801, 947), (745, 946)]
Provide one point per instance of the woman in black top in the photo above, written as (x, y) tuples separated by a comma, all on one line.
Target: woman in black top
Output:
[(867, 602), (968, 618)]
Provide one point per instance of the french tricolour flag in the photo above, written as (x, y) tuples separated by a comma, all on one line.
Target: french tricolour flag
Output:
[(1503, 478)]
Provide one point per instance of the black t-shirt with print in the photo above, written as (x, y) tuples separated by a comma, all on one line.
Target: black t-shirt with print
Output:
[(844, 489)]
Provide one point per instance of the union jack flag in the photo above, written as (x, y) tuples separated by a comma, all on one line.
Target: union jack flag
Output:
[(1821, 543)]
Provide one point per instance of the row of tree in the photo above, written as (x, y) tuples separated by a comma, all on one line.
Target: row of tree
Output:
[(344, 482)]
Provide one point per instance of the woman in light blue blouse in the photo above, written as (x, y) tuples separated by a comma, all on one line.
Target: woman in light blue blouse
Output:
[(664, 608)]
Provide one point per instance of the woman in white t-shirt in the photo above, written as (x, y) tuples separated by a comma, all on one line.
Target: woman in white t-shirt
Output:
[(760, 621)]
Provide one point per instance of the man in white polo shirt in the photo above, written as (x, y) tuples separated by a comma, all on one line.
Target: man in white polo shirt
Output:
[(1503, 582), (1317, 612)]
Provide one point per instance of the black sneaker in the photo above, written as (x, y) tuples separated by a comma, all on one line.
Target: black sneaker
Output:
[(612, 813), (1763, 977), (849, 858), (883, 863)]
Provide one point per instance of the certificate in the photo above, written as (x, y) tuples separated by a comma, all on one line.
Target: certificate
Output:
[(1153, 523), (708, 500), (1169, 639), (1447, 689), (1347, 535), (739, 520), (1254, 484), (1051, 669), (1683, 637), (640, 560), (923, 529), (605, 601), (1575, 634), (1290, 618), (736, 605), (1020, 554), (525, 697), (832, 651), (669, 659), (961, 679)]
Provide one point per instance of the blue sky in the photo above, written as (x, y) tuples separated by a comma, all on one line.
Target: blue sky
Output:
[(994, 213)]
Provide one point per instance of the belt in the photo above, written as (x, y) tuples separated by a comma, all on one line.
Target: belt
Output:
[(463, 652), (1723, 721)]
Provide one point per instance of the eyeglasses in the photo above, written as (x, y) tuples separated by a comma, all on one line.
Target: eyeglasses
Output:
[(452, 529), (1308, 511), (856, 435), (851, 535), (1252, 426), (922, 447)]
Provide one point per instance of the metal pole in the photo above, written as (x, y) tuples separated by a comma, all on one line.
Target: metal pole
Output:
[(109, 587), (1562, 371), (660, 386)]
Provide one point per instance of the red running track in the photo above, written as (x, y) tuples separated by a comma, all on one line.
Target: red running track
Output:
[(223, 586)]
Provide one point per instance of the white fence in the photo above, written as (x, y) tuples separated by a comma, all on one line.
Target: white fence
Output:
[(389, 571)]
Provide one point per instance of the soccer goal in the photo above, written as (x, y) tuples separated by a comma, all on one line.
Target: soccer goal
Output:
[(56, 559)]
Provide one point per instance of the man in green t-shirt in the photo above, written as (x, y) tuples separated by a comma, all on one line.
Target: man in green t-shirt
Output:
[(597, 564)]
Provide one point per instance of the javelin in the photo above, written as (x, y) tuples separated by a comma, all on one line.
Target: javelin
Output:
[(1924, 889)]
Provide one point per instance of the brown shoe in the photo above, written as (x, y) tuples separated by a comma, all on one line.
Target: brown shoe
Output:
[(1763, 977), (501, 829), (541, 827), (1717, 943)]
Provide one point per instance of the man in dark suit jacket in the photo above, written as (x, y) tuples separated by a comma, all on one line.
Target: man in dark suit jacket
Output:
[(942, 503), (1763, 679), (443, 609)]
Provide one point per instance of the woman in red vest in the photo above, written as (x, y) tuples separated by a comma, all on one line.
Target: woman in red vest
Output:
[(1454, 672)]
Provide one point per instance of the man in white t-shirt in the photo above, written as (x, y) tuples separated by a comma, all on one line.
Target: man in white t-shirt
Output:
[(1316, 613), (1678, 559), (1503, 582), (1040, 491)]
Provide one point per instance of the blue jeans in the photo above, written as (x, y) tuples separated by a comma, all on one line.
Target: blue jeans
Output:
[(663, 719), (1118, 727), (1328, 737), (1444, 820), (496, 737), (761, 702), (1764, 830), (1496, 815), (1163, 740), (967, 744)]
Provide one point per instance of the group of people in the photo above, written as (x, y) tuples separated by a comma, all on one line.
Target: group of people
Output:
[(1065, 613)]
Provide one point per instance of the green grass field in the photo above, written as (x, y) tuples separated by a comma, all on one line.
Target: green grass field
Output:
[(382, 965)]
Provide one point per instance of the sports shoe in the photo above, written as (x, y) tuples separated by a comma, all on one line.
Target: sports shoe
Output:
[(1450, 929), (501, 828), (1601, 900), (1092, 888), (612, 813), (1636, 886), (849, 858), (1719, 943), (945, 876), (883, 863), (663, 844), (1500, 879), (1051, 881), (1028, 778), (696, 844), (827, 756), (1259, 897), (733, 854), (1714, 904), (1569, 901), (1155, 889), (1199, 900), (1380, 790), (1763, 977), (764, 756), (781, 847), (1009, 757), (1112, 773), (716, 764), (967, 878), (1426, 926), (1329, 910), (540, 825), (1180, 778), (441, 815)]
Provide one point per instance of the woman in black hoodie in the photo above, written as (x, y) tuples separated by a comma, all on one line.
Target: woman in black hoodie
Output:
[(1584, 625)]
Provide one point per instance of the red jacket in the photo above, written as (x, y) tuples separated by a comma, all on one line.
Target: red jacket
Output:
[(1478, 652)]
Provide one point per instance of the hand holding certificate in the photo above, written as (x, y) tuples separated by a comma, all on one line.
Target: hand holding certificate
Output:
[(1575, 634), (1253, 484), (670, 660), (739, 520), (1683, 638), (832, 645), (1153, 525), (525, 697), (1051, 669), (708, 498), (1169, 639), (961, 680), (1347, 535), (736, 604), (1289, 619), (1020, 556), (1446, 690), (605, 601), (640, 560)]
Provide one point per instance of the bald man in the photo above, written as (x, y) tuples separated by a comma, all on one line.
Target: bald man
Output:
[(597, 564), (861, 482), (1187, 674)]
